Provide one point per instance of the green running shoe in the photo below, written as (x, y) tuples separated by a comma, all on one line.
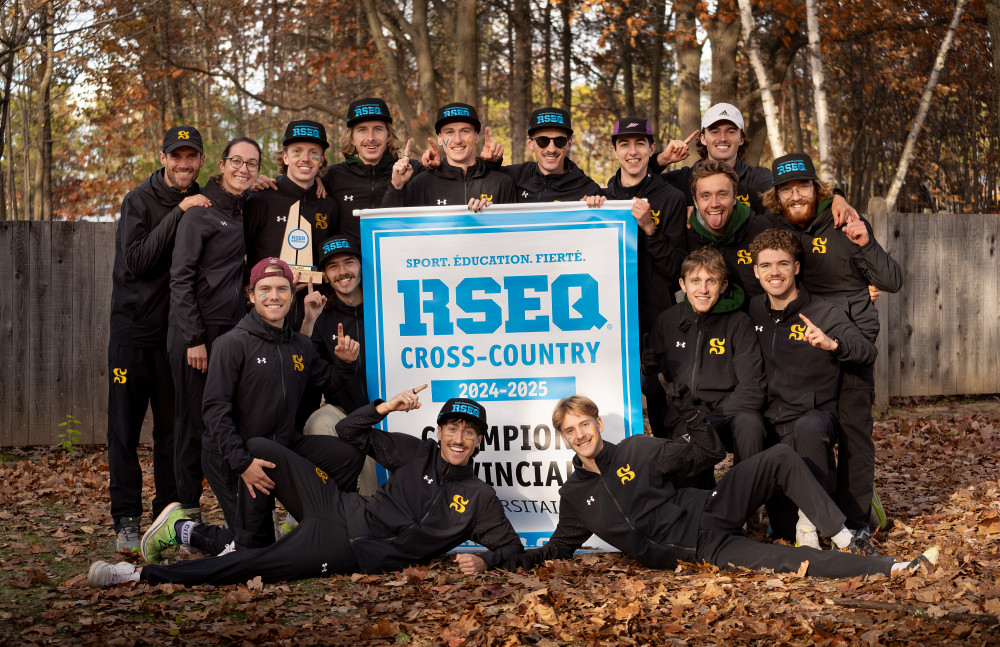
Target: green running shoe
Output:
[(161, 534), (876, 514)]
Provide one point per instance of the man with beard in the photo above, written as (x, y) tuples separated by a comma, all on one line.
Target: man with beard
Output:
[(839, 265), (462, 178), (268, 215), (370, 147), (659, 210), (138, 370), (552, 177)]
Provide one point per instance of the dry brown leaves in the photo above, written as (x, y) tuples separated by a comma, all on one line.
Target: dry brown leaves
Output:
[(937, 477)]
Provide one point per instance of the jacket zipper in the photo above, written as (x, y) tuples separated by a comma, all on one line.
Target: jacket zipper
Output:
[(629, 521)]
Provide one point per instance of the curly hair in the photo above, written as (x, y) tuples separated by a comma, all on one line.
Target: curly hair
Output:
[(779, 239), (347, 146), (824, 191), (705, 257), (712, 167)]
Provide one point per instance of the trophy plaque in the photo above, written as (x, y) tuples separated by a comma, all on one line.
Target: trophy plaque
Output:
[(297, 247)]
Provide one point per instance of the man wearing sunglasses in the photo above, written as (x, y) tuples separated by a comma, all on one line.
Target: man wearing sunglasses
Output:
[(552, 177), (839, 265)]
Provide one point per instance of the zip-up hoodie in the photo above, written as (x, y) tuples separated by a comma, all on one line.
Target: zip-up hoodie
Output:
[(836, 269), (352, 184), (633, 504), (255, 382), (266, 217), (354, 394), (447, 185), (534, 186), (801, 377), (733, 244), (754, 181), (660, 255), (426, 508), (206, 275), (144, 244), (715, 355)]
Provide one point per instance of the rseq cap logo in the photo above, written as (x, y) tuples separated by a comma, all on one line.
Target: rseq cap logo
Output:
[(550, 118), (790, 166), (339, 243), (456, 112), (368, 109), (306, 131), (464, 407), (298, 239)]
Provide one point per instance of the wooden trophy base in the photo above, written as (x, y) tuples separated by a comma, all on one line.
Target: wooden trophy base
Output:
[(304, 272)]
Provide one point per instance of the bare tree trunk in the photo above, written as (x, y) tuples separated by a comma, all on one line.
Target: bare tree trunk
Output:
[(567, 57), (467, 51), (688, 51), (42, 189), (723, 31), (819, 92), (547, 31), (628, 79), (766, 97), (993, 23), (520, 100), (793, 109), (925, 102), (656, 67)]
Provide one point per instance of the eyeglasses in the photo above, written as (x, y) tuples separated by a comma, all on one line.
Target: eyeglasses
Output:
[(804, 190), (543, 141), (238, 162)]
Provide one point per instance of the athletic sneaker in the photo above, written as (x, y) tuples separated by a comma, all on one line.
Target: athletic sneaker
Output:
[(876, 514), (194, 514), (161, 534), (103, 574), (926, 562), (127, 540), (805, 532), (861, 543)]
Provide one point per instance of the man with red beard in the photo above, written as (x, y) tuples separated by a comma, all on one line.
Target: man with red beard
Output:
[(462, 178), (839, 265)]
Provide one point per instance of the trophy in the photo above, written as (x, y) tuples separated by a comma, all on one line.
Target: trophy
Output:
[(297, 248)]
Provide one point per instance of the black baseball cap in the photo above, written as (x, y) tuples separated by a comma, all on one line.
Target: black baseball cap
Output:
[(465, 409), (183, 136), (549, 118), (304, 130), (454, 112), (368, 109), (632, 126), (797, 166), (337, 245)]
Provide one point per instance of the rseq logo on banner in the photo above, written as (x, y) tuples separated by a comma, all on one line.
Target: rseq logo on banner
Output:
[(571, 302)]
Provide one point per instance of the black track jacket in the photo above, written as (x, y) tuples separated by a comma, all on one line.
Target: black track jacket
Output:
[(801, 377), (733, 244), (715, 355), (206, 274), (354, 393), (534, 186), (446, 185), (426, 508), (836, 269), (352, 184), (660, 255), (255, 382), (633, 504), (144, 244), (266, 216)]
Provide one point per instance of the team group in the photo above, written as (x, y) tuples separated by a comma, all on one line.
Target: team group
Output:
[(766, 351)]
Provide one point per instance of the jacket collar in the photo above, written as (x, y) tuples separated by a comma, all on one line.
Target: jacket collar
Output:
[(223, 200), (615, 185), (166, 194), (741, 215), (604, 461), (253, 324), (792, 309), (447, 471)]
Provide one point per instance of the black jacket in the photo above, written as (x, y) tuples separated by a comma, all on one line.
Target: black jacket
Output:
[(144, 244), (660, 255), (534, 186), (754, 181), (633, 503), (447, 185), (715, 355), (354, 393), (266, 216), (352, 184), (206, 274), (836, 269), (733, 244), (426, 508), (801, 377), (255, 382)]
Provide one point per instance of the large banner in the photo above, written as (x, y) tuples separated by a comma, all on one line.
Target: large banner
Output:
[(516, 308)]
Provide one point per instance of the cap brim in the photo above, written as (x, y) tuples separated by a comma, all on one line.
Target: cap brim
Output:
[(476, 422), (308, 140), (453, 120), (172, 146), (535, 129)]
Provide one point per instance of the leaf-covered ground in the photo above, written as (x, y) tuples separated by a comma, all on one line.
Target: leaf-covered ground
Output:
[(937, 476)]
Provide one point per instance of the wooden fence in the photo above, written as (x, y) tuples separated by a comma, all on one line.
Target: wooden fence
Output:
[(939, 334)]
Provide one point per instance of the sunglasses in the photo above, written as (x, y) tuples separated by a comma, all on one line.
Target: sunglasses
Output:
[(543, 141)]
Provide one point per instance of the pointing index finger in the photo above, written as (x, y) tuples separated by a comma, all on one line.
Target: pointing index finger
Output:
[(309, 287), (340, 332), (806, 319), (691, 137), (418, 389), (406, 152)]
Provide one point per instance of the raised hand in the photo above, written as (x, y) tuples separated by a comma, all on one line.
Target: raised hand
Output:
[(432, 156), (347, 349), (676, 150), (843, 212), (407, 400), (643, 213), (402, 170), (314, 302), (817, 337), (492, 150), (856, 231)]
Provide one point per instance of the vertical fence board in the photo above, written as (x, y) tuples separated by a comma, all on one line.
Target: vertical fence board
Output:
[(104, 260), (7, 260), (878, 217), (23, 268), (84, 332), (890, 312), (41, 428), (66, 279)]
